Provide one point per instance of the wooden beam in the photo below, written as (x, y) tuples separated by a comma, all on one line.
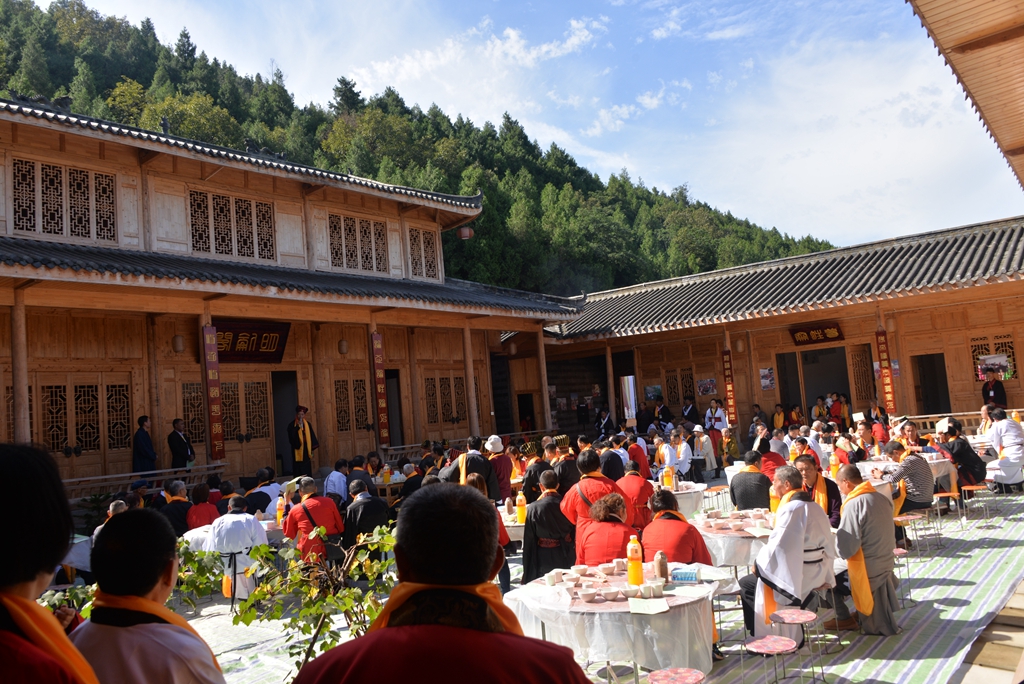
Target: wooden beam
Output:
[(26, 283), (1014, 151), (146, 156), (219, 295), (405, 208), (990, 40), (211, 174), (309, 189)]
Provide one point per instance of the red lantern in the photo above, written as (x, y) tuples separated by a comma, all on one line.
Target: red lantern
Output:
[(465, 233)]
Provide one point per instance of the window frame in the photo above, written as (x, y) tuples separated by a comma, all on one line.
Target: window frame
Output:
[(233, 196)]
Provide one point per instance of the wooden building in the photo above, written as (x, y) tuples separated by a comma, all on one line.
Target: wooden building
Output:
[(118, 246), (796, 328)]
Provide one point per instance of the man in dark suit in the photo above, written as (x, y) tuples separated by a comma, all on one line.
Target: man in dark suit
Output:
[(662, 415), (472, 462), (181, 446), (365, 514), (690, 413), (143, 453)]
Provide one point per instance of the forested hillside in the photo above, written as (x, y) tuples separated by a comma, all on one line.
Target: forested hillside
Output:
[(548, 225)]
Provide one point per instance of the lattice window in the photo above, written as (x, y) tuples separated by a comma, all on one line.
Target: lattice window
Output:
[(446, 398), (238, 226), (79, 216), (351, 244), (342, 406), (223, 232), (380, 247), (9, 402), (416, 251), (257, 410), (199, 213), (430, 394), (55, 416), (87, 417), (24, 196), (686, 387), (52, 191), (672, 388), (979, 348), (430, 267), (1004, 345), (106, 228), (336, 230), (365, 245), (863, 374), (461, 412), (243, 228), (192, 410), (230, 410), (119, 417), (265, 231), (359, 403)]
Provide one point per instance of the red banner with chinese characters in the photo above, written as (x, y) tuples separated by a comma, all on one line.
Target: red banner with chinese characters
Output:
[(383, 428), (816, 333), (211, 386), (885, 370), (730, 390)]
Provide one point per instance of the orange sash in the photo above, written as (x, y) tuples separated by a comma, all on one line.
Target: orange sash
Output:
[(462, 468), (750, 469), (41, 628), (856, 567), (820, 493), (141, 605), (770, 605), (488, 591)]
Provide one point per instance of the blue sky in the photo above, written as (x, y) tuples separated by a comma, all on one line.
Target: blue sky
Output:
[(830, 118)]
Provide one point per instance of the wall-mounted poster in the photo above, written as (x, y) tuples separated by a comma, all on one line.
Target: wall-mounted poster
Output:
[(574, 398), (996, 363), (596, 391), (767, 379), (895, 368), (652, 392), (562, 403), (706, 388), (590, 402), (551, 391)]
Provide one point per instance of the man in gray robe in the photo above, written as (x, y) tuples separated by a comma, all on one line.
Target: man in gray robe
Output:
[(866, 526)]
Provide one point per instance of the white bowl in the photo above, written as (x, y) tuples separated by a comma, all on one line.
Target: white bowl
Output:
[(580, 569), (606, 568), (571, 577), (737, 525), (568, 586), (709, 524), (720, 525), (609, 594), (587, 595), (735, 514), (630, 591)]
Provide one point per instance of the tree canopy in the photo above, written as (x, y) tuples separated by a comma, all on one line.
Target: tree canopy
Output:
[(548, 224)]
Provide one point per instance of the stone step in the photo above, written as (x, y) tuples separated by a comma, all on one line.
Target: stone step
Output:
[(993, 654)]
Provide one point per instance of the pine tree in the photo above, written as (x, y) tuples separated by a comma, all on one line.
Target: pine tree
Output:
[(83, 88), (33, 76), (347, 99)]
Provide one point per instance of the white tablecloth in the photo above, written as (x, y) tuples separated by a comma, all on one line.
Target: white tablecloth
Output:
[(79, 554), (942, 469), (692, 501), (601, 631), (732, 548), (515, 531)]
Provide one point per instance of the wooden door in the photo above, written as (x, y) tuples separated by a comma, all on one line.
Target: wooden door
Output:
[(352, 403), (862, 378), (248, 428), (445, 407)]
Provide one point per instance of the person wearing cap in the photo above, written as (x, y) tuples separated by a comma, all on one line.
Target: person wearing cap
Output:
[(472, 462), (703, 454), (140, 488), (535, 465), (494, 450), (314, 511), (303, 442)]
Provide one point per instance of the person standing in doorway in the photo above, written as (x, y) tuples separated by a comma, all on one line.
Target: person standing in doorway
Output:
[(993, 392), (182, 452), (303, 441), (143, 453)]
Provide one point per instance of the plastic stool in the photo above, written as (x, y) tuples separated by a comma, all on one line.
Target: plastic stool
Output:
[(677, 675), (975, 500), (805, 619), (771, 646), (903, 572)]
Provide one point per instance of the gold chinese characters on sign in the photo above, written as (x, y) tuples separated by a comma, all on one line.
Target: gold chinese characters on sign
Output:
[(251, 341), (211, 384), (816, 333), (380, 387), (885, 371)]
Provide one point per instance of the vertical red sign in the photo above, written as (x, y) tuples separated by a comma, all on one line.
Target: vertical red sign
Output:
[(211, 384), (730, 389), (383, 428), (885, 370)]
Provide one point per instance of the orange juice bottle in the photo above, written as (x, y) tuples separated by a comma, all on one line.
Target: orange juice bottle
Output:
[(792, 452), (385, 473), (521, 508), (1015, 415), (834, 464), (668, 477), (634, 562), (280, 509)]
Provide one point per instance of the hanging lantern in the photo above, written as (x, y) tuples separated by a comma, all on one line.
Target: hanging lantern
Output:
[(465, 233)]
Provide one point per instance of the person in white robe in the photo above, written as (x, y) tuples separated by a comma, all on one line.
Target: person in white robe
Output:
[(1006, 438), (796, 561), (233, 536), (703, 450)]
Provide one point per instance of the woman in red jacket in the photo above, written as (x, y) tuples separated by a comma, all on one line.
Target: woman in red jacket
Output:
[(605, 539)]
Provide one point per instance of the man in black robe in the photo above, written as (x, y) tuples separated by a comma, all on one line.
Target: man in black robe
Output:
[(690, 413), (612, 466), (365, 514), (567, 472), (970, 468), (357, 471), (475, 462), (535, 466), (644, 417), (303, 442), (548, 536)]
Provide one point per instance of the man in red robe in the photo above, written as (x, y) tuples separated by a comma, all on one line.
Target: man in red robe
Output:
[(638, 492), (670, 532), (447, 553), (592, 486), (639, 454)]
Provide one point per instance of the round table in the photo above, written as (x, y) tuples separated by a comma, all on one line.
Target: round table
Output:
[(732, 547), (608, 631), (942, 469)]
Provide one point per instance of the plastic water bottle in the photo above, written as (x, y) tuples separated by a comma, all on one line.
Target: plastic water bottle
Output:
[(634, 562)]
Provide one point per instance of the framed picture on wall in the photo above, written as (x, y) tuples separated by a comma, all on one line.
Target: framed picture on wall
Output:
[(652, 392), (767, 379), (707, 388)]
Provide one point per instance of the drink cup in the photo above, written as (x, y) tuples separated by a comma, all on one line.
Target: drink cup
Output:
[(646, 590)]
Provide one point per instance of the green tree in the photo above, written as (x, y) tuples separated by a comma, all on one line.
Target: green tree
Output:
[(83, 88), (347, 99), (126, 101), (33, 76), (194, 116)]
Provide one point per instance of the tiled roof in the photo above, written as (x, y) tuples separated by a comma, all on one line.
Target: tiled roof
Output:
[(941, 260), (180, 268), (309, 174)]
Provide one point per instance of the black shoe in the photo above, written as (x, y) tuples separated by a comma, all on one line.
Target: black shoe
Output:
[(716, 653)]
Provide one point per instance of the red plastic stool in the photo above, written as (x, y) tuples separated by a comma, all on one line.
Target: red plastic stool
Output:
[(677, 675), (805, 619), (771, 646)]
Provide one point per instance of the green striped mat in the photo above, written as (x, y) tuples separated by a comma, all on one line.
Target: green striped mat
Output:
[(959, 589)]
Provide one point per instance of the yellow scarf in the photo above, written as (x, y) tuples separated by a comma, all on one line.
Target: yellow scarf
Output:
[(820, 493), (750, 469), (168, 498), (488, 591), (863, 599), (462, 468), (42, 629), (674, 514), (261, 484), (897, 501), (770, 605), (819, 411), (305, 440), (142, 605), (778, 420)]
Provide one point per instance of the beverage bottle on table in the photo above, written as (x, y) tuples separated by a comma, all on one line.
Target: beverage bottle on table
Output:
[(280, 509), (634, 562), (521, 508), (668, 477), (385, 473)]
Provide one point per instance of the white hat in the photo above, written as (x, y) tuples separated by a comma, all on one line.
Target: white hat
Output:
[(698, 428), (494, 444)]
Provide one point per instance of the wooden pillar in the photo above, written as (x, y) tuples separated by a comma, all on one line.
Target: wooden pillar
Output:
[(418, 435), (542, 363), (154, 387), (321, 381), (610, 371), (19, 364), (467, 359)]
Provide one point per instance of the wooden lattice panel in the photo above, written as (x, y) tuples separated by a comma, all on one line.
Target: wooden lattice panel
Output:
[(192, 410), (342, 406), (106, 226), (52, 199), (360, 408), (380, 246), (231, 410), (79, 214), (55, 416), (257, 410), (243, 228), (119, 417), (223, 239), (24, 190), (336, 233), (1003, 344), (265, 231), (199, 215), (416, 251), (430, 265), (430, 395), (365, 245), (87, 417)]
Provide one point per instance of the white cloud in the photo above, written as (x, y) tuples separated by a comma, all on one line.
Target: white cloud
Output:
[(573, 101), (714, 77), (514, 49), (671, 27), (730, 32), (747, 63), (611, 119), (651, 99), (685, 83)]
